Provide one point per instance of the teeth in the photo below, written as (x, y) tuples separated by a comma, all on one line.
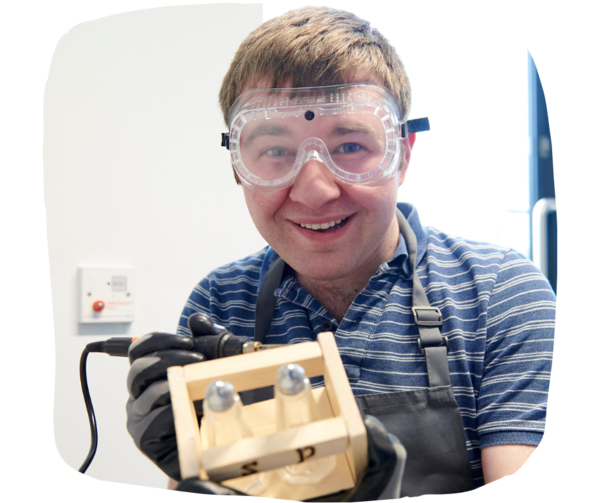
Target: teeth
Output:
[(325, 225)]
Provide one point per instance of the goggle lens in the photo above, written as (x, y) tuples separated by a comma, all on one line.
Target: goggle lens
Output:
[(355, 143)]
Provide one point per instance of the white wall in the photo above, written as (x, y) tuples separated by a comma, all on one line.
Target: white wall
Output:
[(135, 176)]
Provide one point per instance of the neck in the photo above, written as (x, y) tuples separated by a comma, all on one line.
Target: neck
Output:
[(333, 296), (337, 294)]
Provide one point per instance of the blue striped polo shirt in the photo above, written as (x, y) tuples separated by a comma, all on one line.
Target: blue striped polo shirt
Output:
[(498, 313)]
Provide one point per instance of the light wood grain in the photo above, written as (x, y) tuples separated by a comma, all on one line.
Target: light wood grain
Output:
[(275, 486), (189, 446), (339, 433), (343, 403), (253, 370), (267, 452)]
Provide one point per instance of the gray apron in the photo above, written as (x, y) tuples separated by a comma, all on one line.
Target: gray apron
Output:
[(427, 422)]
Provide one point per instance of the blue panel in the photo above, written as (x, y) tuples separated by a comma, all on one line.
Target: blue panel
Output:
[(541, 168), (552, 258)]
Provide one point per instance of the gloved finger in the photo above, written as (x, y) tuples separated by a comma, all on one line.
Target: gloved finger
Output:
[(154, 435), (200, 324), (138, 424), (195, 485), (153, 367), (394, 486), (154, 396), (158, 341), (381, 448)]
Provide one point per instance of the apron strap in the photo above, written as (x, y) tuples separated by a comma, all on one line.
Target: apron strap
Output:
[(428, 319), (265, 302)]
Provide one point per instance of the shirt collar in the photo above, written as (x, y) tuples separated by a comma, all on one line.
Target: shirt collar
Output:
[(398, 260)]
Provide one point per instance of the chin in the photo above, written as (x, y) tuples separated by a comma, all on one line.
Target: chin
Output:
[(325, 273)]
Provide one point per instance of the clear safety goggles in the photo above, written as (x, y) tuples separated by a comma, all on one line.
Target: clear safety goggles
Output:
[(354, 129)]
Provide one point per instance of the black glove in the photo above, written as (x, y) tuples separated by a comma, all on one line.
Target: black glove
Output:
[(149, 413), (380, 480)]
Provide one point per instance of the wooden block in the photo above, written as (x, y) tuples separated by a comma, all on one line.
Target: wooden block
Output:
[(260, 416), (253, 370), (267, 452), (189, 446), (340, 433), (275, 486), (343, 403)]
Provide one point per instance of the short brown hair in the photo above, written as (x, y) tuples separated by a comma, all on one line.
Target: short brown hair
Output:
[(314, 46)]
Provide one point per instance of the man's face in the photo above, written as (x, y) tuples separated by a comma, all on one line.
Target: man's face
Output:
[(347, 251)]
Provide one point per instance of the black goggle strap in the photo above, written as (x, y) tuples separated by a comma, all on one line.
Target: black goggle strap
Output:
[(408, 127), (225, 140), (414, 126)]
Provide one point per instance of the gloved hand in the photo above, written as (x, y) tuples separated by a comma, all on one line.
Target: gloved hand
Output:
[(149, 413), (381, 479)]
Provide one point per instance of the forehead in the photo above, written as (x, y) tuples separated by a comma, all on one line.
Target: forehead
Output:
[(267, 82)]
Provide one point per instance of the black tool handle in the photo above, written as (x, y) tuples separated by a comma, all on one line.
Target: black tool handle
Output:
[(213, 340), (219, 346)]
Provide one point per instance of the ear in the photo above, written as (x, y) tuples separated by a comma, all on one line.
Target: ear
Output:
[(407, 143)]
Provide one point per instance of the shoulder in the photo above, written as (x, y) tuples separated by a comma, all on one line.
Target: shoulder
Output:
[(456, 262), (246, 270), (497, 270), (443, 246)]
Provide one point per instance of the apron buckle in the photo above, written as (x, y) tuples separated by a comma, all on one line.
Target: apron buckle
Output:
[(422, 349), (427, 316)]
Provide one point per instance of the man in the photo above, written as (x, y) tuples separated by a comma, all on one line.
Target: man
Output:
[(456, 361)]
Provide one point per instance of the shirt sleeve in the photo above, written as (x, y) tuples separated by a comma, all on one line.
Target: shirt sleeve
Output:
[(511, 404)]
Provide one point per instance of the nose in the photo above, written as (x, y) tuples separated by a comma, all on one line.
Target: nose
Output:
[(314, 186)]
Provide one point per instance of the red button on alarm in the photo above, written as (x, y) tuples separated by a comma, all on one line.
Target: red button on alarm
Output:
[(98, 306)]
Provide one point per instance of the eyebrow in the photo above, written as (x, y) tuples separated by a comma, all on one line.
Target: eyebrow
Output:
[(274, 130), (346, 129), (268, 130)]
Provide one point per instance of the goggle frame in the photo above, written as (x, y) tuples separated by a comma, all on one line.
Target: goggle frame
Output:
[(364, 97)]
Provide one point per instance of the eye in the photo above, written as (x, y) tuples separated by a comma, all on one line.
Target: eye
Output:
[(276, 152), (350, 148)]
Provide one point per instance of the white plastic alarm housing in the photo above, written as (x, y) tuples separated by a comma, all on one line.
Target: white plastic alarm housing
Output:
[(106, 294)]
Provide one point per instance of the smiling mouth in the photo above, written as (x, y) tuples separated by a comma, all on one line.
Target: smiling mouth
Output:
[(325, 226)]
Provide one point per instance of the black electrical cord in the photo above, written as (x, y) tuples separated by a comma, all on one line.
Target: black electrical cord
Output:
[(116, 346), (212, 344), (88, 406)]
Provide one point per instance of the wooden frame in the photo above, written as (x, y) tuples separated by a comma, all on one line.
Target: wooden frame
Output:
[(340, 432)]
